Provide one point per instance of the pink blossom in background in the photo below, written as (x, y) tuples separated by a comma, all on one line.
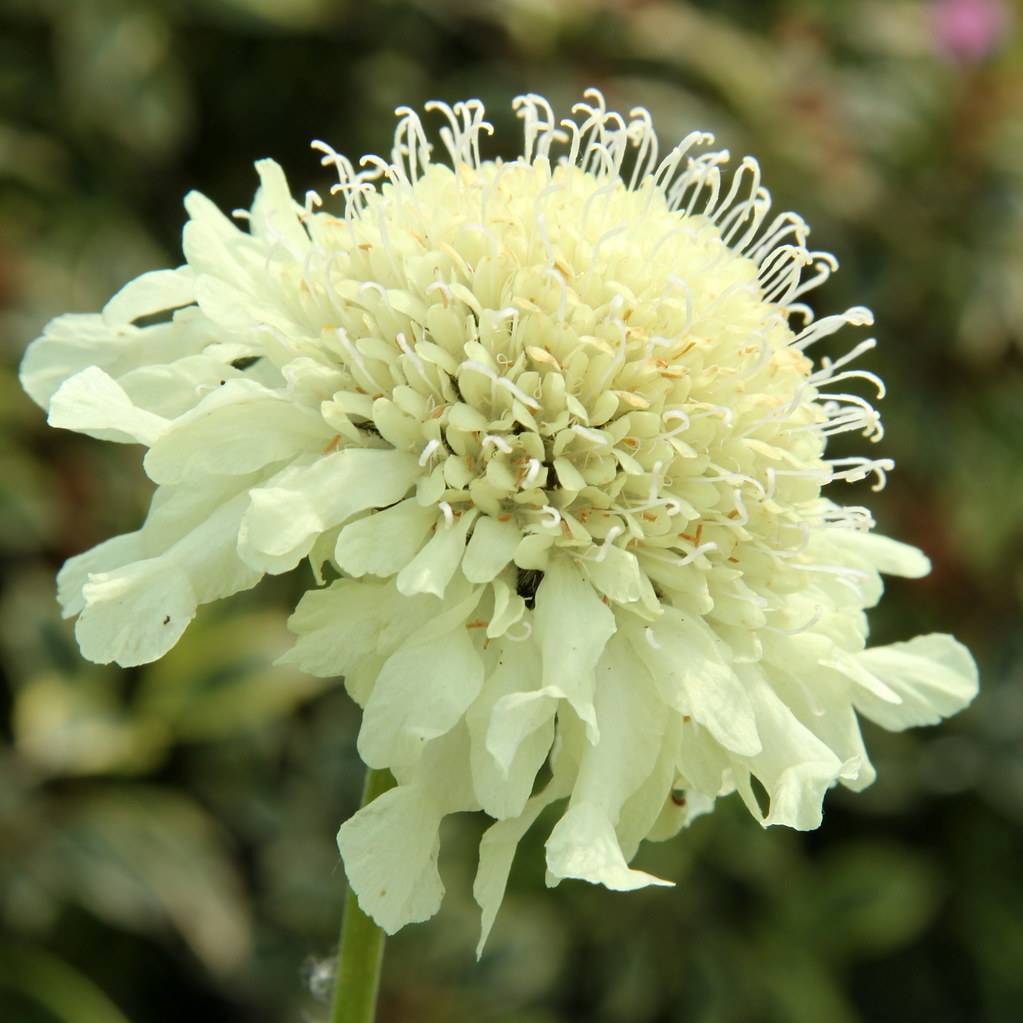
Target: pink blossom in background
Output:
[(969, 30)]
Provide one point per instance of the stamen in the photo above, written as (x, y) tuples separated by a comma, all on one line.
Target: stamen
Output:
[(449, 515), (428, 451), (612, 534), (526, 625), (532, 473), (703, 548), (552, 517), (498, 442)]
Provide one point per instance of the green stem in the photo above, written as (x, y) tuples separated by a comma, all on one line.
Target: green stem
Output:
[(361, 951)]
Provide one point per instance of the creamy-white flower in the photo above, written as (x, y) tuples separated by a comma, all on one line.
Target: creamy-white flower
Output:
[(553, 425)]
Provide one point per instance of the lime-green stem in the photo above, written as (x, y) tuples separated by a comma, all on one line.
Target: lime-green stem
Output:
[(361, 950)]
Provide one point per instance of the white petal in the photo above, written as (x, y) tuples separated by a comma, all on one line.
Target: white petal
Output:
[(631, 722), (94, 404), (583, 845), (882, 552), (795, 767), (617, 575), (497, 851), (236, 429), (421, 692), (384, 541), (644, 807), (572, 625), (134, 614), (153, 292), (338, 626), (284, 520), (687, 664), (390, 853), (934, 675), (112, 554), (823, 703), (171, 389), (275, 212), (490, 549), (431, 569), (74, 342), (390, 847), (509, 607), (504, 766)]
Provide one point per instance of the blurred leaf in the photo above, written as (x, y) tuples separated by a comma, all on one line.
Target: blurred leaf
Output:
[(46, 981), (871, 898), (221, 678), (120, 76), (77, 726), (137, 856)]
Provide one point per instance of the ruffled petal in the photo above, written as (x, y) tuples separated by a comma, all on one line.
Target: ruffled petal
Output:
[(382, 543), (685, 659), (423, 690), (572, 626), (583, 845), (490, 549), (390, 847), (135, 613), (433, 567), (934, 676), (504, 760), (284, 520), (237, 428), (152, 292), (94, 404), (795, 767), (497, 852)]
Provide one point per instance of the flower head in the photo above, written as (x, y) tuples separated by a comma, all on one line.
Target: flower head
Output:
[(555, 428)]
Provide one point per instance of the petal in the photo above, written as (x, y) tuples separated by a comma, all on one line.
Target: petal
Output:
[(431, 569), (631, 722), (172, 389), (490, 549), (497, 851), (572, 626), (686, 662), (275, 212), (390, 847), (503, 773), (934, 675), (616, 574), (583, 845), (338, 626), (390, 852), (795, 767), (236, 429), (882, 552), (422, 691), (153, 292), (92, 403), (384, 541), (135, 613), (284, 520), (74, 342), (112, 554)]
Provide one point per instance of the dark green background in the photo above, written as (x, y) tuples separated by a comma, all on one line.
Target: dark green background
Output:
[(167, 834)]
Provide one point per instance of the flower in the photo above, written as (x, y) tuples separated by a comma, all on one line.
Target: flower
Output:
[(970, 30), (551, 427)]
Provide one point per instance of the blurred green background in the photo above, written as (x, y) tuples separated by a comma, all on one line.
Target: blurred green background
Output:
[(167, 833)]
